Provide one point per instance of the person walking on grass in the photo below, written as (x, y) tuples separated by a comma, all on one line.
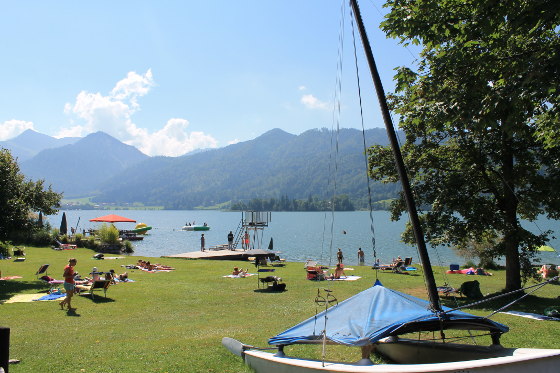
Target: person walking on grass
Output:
[(202, 242), (69, 285)]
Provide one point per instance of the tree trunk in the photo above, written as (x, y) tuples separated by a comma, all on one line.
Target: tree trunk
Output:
[(509, 208)]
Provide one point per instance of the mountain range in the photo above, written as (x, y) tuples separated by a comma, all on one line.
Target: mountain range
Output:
[(316, 163)]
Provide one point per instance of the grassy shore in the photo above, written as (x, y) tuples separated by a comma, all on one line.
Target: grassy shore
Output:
[(174, 321)]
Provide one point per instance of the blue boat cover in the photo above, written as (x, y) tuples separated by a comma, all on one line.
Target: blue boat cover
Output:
[(376, 313)]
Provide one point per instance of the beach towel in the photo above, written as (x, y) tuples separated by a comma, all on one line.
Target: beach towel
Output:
[(127, 280), (9, 278), (345, 278), (25, 298), (237, 276), (51, 296)]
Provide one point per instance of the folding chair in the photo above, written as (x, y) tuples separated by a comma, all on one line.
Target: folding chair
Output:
[(99, 284), (42, 269), (259, 271)]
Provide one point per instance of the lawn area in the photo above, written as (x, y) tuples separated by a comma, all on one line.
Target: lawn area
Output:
[(174, 321)]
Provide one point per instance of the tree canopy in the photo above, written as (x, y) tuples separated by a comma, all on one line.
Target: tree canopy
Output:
[(20, 197), (480, 114)]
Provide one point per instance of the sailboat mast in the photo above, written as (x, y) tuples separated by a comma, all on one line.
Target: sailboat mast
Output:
[(407, 191)]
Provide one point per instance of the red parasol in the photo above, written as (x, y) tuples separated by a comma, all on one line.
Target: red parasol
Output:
[(113, 219)]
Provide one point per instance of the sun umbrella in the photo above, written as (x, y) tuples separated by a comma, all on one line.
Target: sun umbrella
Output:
[(113, 219), (63, 224), (546, 248)]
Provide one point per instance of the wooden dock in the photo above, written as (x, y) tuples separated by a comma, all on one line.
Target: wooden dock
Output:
[(212, 253)]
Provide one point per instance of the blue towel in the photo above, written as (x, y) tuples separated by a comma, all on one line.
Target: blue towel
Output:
[(51, 296)]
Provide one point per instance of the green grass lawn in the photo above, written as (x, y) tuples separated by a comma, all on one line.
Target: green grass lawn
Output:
[(174, 321)]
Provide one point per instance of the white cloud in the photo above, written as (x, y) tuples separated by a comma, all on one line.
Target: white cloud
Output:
[(113, 114), (234, 141), (302, 88), (172, 140), (12, 128), (311, 102)]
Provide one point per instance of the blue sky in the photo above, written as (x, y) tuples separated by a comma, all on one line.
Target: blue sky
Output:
[(172, 76)]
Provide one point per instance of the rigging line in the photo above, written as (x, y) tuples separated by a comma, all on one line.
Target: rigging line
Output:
[(370, 205), (383, 16), (538, 286), (336, 121), (515, 301)]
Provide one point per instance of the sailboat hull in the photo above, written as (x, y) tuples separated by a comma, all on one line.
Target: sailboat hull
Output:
[(496, 360)]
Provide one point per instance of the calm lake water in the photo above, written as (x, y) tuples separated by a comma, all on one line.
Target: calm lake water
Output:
[(297, 235)]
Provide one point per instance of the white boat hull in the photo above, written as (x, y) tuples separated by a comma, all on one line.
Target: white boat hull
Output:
[(508, 360)]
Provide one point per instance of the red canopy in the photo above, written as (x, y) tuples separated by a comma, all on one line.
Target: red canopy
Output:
[(113, 219)]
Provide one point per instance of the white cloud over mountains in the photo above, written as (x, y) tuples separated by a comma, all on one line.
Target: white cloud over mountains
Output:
[(113, 114), (12, 128)]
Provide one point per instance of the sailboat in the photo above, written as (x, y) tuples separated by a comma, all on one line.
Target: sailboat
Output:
[(378, 317)]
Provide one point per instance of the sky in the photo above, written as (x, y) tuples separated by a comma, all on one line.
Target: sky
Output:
[(173, 76)]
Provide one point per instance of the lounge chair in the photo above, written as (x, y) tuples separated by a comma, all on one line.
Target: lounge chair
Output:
[(99, 284), (42, 269), (64, 246), (18, 251)]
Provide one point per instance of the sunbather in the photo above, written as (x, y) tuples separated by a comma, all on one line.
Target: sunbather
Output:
[(338, 273)]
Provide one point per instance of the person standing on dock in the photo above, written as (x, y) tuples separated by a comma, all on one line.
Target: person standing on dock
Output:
[(230, 240), (246, 241), (202, 242)]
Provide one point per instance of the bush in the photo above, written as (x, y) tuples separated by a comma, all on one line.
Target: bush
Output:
[(79, 238), (4, 249), (108, 234), (470, 264), (128, 248), (41, 237)]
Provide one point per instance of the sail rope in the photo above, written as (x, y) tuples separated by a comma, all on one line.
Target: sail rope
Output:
[(333, 172), (370, 204)]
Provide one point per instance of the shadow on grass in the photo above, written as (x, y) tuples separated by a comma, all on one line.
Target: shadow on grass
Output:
[(72, 313), (10, 288), (269, 291), (97, 298)]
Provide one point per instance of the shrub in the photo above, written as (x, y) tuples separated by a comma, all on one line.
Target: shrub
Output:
[(4, 249), (128, 248), (108, 234)]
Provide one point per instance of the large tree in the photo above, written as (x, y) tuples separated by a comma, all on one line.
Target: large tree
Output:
[(480, 113), (19, 197)]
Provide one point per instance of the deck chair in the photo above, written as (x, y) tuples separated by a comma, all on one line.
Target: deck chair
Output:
[(261, 270), (407, 262), (18, 251), (64, 246), (99, 284), (42, 269)]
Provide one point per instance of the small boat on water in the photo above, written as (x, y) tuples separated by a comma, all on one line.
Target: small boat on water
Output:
[(195, 228), (141, 228)]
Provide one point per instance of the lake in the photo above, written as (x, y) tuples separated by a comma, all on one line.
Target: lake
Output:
[(297, 235)]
